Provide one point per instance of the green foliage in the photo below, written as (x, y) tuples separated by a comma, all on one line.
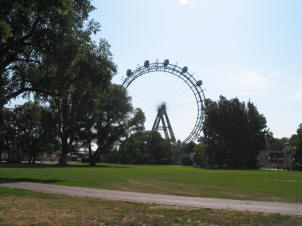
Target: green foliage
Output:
[(146, 147), (296, 141), (275, 144), (19, 19), (187, 150), (33, 130), (188, 147), (27, 131), (30, 31), (75, 110), (115, 120), (201, 156), (186, 159), (8, 131), (234, 133)]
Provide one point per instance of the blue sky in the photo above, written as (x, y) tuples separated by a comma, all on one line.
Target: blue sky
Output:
[(250, 49)]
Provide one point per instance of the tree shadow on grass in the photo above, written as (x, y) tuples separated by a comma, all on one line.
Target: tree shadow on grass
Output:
[(97, 166), (9, 180), (42, 165)]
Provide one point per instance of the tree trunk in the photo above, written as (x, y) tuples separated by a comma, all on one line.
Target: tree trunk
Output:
[(64, 135), (64, 152), (96, 155), (34, 158), (1, 131), (1, 151), (93, 161), (63, 159), (94, 158), (90, 152), (8, 156), (29, 157)]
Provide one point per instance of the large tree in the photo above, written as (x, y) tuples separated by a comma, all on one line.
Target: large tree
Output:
[(32, 36), (74, 109), (234, 133)]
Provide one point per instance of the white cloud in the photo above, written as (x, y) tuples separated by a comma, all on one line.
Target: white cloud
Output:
[(238, 82), (297, 95), (254, 80), (183, 2)]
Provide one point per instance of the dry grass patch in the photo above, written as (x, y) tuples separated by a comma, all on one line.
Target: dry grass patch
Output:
[(28, 208)]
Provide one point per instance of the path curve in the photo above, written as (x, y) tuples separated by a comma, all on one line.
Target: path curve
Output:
[(171, 200)]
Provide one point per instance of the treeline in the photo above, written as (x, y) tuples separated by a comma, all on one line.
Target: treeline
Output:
[(33, 129)]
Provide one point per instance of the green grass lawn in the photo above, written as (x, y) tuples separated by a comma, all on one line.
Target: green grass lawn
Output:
[(176, 180), (19, 207)]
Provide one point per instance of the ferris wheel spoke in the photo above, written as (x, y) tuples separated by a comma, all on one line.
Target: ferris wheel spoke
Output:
[(183, 101)]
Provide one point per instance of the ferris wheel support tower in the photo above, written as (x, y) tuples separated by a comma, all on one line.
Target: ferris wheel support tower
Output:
[(162, 117)]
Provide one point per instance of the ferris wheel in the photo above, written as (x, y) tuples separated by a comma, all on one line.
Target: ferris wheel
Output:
[(188, 80)]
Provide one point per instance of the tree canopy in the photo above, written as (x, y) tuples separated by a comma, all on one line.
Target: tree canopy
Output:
[(31, 33), (75, 108), (234, 133), (115, 121), (296, 142), (146, 147), (34, 133)]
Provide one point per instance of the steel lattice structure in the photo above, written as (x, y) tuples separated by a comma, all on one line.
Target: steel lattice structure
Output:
[(183, 74), (162, 117)]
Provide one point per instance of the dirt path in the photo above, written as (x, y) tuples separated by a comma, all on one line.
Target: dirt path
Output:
[(213, 203)]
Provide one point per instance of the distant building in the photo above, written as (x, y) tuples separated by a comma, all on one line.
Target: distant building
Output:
[(277, 159)]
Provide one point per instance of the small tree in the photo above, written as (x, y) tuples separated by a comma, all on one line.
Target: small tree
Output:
[(8, 132), (187, 149), (201, 156), (160, 149), (34, 136)]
